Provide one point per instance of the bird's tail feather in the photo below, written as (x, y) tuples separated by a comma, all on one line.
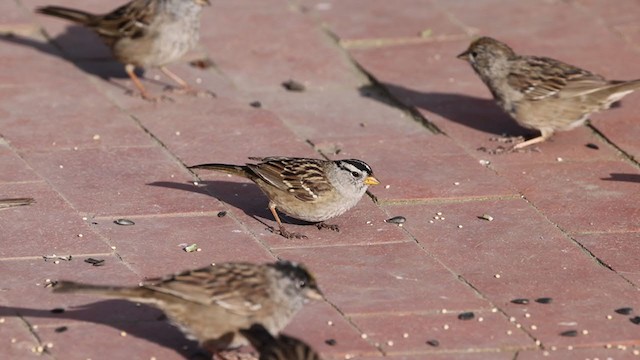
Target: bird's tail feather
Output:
[(132, 293), (77, 16), (225, 168)]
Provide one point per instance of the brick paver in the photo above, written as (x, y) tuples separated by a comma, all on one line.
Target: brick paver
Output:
[(383, 85)]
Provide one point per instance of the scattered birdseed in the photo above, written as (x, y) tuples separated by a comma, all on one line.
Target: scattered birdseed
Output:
[(635, 320), (444, 311), (608, 346), (2, 320), (624, 311), (49, 345), (330, 323), (484, 162), (61, 329), (177, 133), (199, 249), (593, 146), (466, 315), (80, 235), (497, 276), (57, 262), (364, 336), (61, 167), (124, 222), (520, 301), (456, 183), (196, 183), (545, 353), (439, 213), (512, 319), (405, 335), (390, 343), (94, 262), (255, 104), (397, 220), (330, 342), (431, 221), (123, 333), (445, 326), (585, 332), (191, 248), (494, 310), (433, 342), (37, 349), (96, 137), (480, 319), (203, 63), (387, 186), (518, 326), (569, 347), (436, 217), (486, 217), (349, 356), (292, 85), (534, 327), (113, 248), (559, 159), (57, 311), (13, 340), (459, 226), (544, 300), (609, 317), (636, 352), (569, 333)]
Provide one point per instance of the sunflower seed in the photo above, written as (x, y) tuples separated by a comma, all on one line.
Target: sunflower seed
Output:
[(520, 301), (124, 222), (466, 315), (569, 333), (396, 220), (624, 311)]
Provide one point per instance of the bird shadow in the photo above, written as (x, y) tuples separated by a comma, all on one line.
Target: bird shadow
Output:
[(143, 321), (476, 113), (245, 196), (89, 54), (623, 177)]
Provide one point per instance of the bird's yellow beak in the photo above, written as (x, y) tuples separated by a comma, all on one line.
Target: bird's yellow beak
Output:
[(370, 180), (314, 294), (203, 2)]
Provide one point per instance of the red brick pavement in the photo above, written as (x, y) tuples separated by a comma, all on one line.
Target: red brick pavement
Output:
[(381, 79)]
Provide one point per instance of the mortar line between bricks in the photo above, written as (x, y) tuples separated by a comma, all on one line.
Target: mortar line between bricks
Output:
[(625, 156), (33, 333), (160, 216), (431, 201), (323, 246), (39, 257)]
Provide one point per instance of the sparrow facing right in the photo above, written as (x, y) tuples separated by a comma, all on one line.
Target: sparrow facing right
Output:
[(542, 93), (213, 303), (143, 33), (312, 190), (281, 348)]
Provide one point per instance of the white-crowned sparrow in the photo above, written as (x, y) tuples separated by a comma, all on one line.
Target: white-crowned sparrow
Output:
[(143, 33), (213, 303), (281, 348), (7, 203), (307, 189), (542, 93)]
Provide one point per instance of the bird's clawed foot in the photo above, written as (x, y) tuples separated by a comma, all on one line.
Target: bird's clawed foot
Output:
[(286, 234), (323, 225)]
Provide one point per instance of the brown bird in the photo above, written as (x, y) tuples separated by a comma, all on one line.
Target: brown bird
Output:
[(307, 189), (542, 93), (281, 348), (213, 303), (7, 203), (143, 33)]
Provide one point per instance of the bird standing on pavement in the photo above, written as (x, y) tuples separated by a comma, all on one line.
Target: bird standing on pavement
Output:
[(7, 203), (307, 189), (542, 93), (213, 303), (144, 33), (281, 348)]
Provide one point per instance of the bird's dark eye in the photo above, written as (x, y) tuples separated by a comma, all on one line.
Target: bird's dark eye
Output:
[(473, 54), (355, 174), (302, 284)]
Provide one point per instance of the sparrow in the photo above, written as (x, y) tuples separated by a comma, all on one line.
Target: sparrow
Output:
[(143, 33), (312, 190), (542, 93), (211, 304)]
